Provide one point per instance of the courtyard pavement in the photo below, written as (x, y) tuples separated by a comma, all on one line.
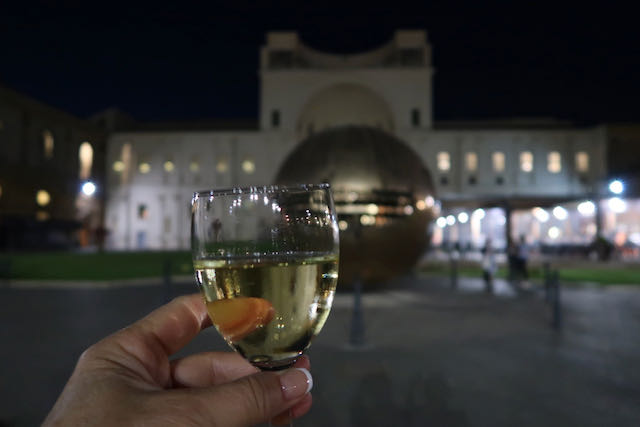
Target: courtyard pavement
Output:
[(432, 356)]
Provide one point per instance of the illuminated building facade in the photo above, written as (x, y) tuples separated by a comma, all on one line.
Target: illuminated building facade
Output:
[(46, 156), (506, 164)]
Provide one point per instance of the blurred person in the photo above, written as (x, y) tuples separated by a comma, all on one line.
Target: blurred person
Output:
[(128, 379), (522, 257), (489, 266)]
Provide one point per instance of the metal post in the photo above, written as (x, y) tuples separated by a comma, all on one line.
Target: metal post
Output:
[(357, 335)]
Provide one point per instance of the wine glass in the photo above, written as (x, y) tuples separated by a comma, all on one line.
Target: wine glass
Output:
[(266, 261)]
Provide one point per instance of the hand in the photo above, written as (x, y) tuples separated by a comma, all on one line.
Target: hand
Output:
[(127, 379)]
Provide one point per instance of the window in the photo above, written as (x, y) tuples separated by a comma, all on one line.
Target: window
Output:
[(222, 165), (47, 144), (526, 161), (275, 118), (554, 162), (143, 212), (415, 117), (497, 159), (471, 161), (43, 198), (248, 166), (582, 162), (85, 154), (444, 161), (169, 166)]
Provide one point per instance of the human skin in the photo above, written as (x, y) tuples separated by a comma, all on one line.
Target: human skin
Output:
[(128, 379)]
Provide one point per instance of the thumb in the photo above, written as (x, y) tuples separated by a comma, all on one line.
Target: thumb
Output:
[(257, 398)]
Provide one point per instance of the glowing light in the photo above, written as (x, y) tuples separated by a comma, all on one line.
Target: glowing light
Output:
[(88, 188), (169, 166), (587, 208), (118, 166), (451, 220), (560, 213), (430, 201), (554, 232), (194, 166), (478, 214), (222, 166), (617, 205), (421, 205), (616, 186), (441, 222), (352, 196), (367, 220), (502, 220), (144, 167), (635, 238), (43, 198), (463, 217), (42, 216), (408, 210), (372, 209), (343, 225), (540, 214), (248, 166)]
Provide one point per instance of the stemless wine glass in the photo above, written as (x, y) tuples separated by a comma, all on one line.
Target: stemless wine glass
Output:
[(266, 261)]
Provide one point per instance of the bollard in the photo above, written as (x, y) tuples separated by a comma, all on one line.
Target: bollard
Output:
[(557, 306), (357, 335), (166, 276)]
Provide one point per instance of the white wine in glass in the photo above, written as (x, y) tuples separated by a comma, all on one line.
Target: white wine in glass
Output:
[(266, 261)]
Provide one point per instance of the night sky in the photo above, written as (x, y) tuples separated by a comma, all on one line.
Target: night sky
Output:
[(182, 62)]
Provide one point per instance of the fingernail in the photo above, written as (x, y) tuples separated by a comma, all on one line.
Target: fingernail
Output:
[(295, 383)]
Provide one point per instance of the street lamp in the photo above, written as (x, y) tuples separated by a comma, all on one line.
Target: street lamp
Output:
[(616, 186), (88, 188)]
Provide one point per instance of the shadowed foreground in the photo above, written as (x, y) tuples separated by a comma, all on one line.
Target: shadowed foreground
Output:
[(432, 356)]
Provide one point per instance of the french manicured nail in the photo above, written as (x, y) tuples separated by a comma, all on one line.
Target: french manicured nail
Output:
[(295, 382)]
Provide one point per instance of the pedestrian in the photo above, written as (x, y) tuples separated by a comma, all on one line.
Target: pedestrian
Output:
[(489, 266)]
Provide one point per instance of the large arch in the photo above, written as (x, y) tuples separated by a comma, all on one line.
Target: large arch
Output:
[(344, 104)]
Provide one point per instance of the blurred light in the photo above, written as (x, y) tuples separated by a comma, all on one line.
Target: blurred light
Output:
[(421, 205), (463, 217), (560, 213), (441, 222), (554, 232), (42, 216), (248, 166), (144, 167), (617, 205), (43, 198), (430, 201), (587, 208), (118, 166), (194, 166), (343, 225), (540, 214), (478, 214), (616, 186), (635, 238), (372, 209), (502, 220), (367, 220), (408, 210), (591, 229), (451, 220), (169, 166), (222, 166), (88, 188), (352, 196)]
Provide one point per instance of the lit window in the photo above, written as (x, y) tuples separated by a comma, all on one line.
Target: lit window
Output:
[(526, 161), (554, 162), (85, 154), (248, 166), (582, 162), (471, 161), (444, 161), (118, 166), (169, 166), (222, 165), (47, 144), (144, 167), (497, 159), (194, 166), (43, 198)]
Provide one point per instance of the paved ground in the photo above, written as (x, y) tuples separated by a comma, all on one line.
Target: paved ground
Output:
[(433, 356)]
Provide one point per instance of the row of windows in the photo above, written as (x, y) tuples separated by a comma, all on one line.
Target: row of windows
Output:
[(144, 167), (498, 161)]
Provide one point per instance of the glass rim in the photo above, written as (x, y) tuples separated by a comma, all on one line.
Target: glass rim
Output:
[(264, 189)]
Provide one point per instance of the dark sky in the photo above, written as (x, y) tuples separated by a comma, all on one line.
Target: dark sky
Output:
[(184, 62)]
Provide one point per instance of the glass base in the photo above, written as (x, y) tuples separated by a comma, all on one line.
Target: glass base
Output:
[(264, 363)]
